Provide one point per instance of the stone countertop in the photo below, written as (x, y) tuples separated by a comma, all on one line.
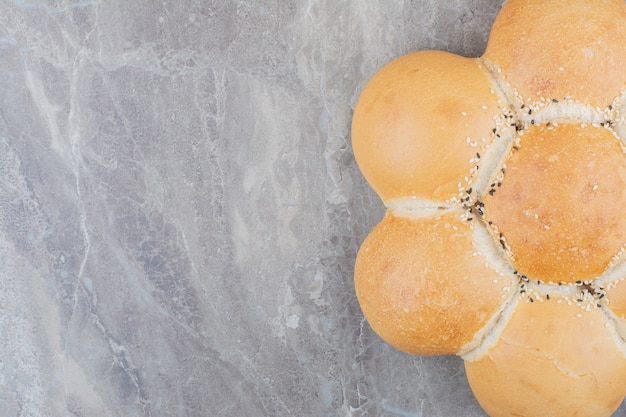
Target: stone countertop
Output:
[(180, 208)]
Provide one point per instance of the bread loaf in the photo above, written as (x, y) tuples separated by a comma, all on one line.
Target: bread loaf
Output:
[(504, 178)]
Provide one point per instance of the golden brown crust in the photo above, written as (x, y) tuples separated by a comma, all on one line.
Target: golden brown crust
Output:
[(616, 295), (432, 131), (412, 123), (422, 285), (561, 48), (562, 204), (553, 359)]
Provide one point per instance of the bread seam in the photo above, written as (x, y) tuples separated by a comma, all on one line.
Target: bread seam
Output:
[(617, 329)]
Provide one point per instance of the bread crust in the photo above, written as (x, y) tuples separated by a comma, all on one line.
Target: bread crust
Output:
[(505, 181), (553, 206), (419, 123), (561, 48), (553, 359), (422, 285)]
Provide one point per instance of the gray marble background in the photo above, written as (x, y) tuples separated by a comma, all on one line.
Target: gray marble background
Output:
[(180, 208)]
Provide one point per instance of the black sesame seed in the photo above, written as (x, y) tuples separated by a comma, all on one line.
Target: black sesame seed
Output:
[(555, 100), (579, 283), (494, 130), (610, 107), (532, 121), (601, 296), (522, 106), (477, 155), (531, 300), (599, 305), (492, 192), (525, 278), (547, 296)]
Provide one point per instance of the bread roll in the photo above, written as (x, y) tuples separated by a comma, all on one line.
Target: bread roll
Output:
[(553, 359), (561, 49), (504, 177), (417, 275)]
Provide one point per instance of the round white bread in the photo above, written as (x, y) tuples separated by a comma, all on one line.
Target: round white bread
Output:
[(505, 182)]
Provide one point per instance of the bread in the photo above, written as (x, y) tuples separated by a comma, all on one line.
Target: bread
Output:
[(504, 178)]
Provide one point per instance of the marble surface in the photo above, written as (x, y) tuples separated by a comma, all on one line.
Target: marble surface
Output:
[(180, 208)]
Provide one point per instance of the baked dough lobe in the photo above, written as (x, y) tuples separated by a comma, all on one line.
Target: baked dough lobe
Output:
[(422, 285), (553, 359), (561, 48), (562, 203), (412, 122)]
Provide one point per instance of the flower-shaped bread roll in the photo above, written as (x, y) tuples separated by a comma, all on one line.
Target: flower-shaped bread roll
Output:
[(504, 179)]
